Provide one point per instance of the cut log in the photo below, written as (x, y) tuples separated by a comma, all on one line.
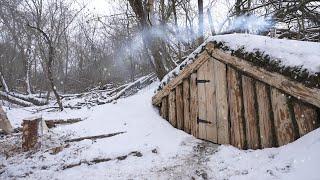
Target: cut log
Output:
[(179, 106), (30, 128), (306, 117), (222, 98), (282, 117), (264, 109), (5, 124), (186, 105), (235, 103), (172, 109), (194, 105), (250, 115)]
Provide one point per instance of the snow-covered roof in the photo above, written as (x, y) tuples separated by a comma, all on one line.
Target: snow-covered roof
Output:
[(298, 60)]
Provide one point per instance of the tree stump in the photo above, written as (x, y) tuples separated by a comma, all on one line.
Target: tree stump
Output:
[(30, 129), (4, 122)]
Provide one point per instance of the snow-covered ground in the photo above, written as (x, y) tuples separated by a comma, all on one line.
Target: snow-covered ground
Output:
[(149, 149)]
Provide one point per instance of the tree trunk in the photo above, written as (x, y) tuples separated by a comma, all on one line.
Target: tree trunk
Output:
[(153, 44), (50, 76), (4, 122), (201, 28), (213, 32), (4, 84)]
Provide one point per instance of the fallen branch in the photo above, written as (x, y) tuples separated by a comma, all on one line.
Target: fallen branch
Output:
[(54, 123), (100, 160), (94, 137)]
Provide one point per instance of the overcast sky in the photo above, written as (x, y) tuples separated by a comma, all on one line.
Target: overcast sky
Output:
[(107, 7)]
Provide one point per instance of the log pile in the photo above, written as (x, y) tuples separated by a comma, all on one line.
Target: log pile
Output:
[(107, 94)]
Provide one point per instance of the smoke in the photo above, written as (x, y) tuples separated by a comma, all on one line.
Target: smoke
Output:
[(250, 24)]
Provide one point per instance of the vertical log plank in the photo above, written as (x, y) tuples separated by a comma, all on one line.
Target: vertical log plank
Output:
[(202, 101), (282, 118), (211, 129), (164, 108), (172, 109), (186, 105), (235, 104), (264, 109), (306, 117), (193, 104), (221, 97), (251, 119), (179, 106)]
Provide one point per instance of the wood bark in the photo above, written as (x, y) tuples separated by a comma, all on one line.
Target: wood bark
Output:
[(172, 109), (179, 106), (202, 101), (211, 103), (5, 124), (235, 104), (193, 104), (186, 105), (164, 108), (306, 117), (265, 120), (250, 113), (222, 98), (30, 128), (282, 118)]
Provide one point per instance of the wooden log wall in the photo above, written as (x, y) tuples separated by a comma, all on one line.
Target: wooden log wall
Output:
[(224, 104)]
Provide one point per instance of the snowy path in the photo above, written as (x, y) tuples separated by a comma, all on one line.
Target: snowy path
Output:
[(150, 149)]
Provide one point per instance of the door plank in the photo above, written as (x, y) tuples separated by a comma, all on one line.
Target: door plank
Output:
[(211, 104), (202, 104)]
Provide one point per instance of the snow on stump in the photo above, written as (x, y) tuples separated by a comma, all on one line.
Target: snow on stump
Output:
[(32, 128), (4, 122)]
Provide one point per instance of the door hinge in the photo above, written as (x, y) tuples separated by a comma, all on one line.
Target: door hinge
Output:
[(203, 121), (202, 81)]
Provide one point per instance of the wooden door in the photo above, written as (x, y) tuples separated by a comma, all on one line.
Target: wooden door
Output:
[(207, 116)]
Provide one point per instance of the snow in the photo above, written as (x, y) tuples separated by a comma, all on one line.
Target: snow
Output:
[(178, 155), (290, 53)]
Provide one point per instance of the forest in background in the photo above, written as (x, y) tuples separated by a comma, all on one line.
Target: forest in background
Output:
[(60, 46)]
